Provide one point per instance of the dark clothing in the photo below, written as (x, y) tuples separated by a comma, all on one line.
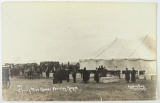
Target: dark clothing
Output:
[(47, 73), (96, 76), (55, 77), (30, 74), (74, 76), (99, 68), (67, 76), (127, 74), (104, 73), (64, 74), (88, 77), (60, 76), (112, 72), (38, 72), (85, 76), (133, 73)]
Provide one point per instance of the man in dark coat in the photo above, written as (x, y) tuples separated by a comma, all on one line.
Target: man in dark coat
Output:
[(85, 75), (47, 72), (60, 75), (55, 76), (127, 74), (88, 76), (67, 74), (74, 75), (30, 73), (133, 73), (104, 73), (96, 75)]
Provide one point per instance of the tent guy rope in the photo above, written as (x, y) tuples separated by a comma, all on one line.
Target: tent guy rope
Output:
[(105, 49), (137, 47)]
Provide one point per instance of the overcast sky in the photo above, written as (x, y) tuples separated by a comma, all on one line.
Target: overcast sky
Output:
[(39, 31)]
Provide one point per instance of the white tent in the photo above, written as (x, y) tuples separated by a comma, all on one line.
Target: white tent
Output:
[(121, 54)]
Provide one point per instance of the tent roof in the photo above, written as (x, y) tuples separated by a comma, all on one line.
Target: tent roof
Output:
[(142, 48)]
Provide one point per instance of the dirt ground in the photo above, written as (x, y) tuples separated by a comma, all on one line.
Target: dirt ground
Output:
[(76, 91)]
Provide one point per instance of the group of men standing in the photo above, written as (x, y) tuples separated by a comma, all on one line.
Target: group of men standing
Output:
[(60, 74), (63, 74), (127, 75), (26, 70), (85, 74), (100, 72)]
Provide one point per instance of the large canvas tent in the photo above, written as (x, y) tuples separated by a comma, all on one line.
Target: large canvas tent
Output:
[(121, 54)]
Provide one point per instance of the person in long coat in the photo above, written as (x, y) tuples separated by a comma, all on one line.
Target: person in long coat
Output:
[(133, 73), (96, 75), (67, 74), (74, 75), (104, 73), (127, 75), (60, 75), (88, 76), (55, 77), (30, 73), (85, 75), (47, 72)]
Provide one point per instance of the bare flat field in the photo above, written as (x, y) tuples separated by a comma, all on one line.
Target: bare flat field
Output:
[(84, 92)]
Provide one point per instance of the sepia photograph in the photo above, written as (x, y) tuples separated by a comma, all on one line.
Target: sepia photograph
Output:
[(79, 51)]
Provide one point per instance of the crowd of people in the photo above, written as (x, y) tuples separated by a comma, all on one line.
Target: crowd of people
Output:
[(99, 72), (32, 70), (61, 72), (25, 70), (129, 75)]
